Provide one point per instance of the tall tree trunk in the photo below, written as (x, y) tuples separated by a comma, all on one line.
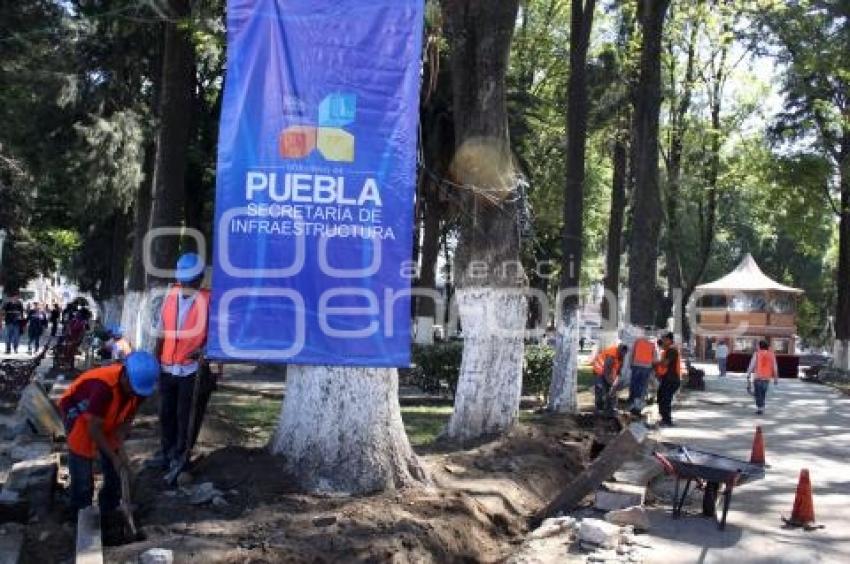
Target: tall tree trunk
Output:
[(175, 116), (340, 428), (678, 128), (131, 314), (611, 310), (487, 269), (562, 391), (646, 211), (842, 306), (331, 443), (429, 251)]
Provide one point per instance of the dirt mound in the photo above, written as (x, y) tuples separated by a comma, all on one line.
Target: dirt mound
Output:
[(476, 510)]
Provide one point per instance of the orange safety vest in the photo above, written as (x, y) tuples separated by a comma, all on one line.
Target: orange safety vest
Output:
[(764, 364), (121, 409), (661, 369), (602, 357), (178, 343), (644, 353)]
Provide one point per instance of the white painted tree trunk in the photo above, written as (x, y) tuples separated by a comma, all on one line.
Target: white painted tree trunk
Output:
[(488, 392), (340, 430), (139, 316), (841, 355), (563, 390), (111, 310)]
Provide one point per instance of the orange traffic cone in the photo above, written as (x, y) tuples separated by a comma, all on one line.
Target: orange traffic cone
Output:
[(803, 513), (757, 455)]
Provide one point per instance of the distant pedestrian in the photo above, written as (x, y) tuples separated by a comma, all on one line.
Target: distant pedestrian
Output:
[(607, 366), (13, 312), (763, 364), (722, 352), (36, 322), (668, 370), (55, 315)]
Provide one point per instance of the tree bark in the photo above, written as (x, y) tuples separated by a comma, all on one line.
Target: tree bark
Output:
[(678, 127), (564, 384), (429, 252), (646, 211), (175, 115), (487, 268), (490, 384), (340, 430), (134, 296), (842, 305), (611, 311)]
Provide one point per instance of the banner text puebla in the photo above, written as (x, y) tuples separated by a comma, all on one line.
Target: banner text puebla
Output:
[(315, 185)]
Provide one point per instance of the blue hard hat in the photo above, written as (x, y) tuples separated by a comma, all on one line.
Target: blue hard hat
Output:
[(189, 267), (115, 330), (142, 370)]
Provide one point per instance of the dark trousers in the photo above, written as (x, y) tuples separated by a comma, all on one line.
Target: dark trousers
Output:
[(35, 340), (81, 470), (175, 409), (666, 390), (605, 404), (760, 387)]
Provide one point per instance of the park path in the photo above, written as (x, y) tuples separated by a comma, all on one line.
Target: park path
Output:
[(806, 426)]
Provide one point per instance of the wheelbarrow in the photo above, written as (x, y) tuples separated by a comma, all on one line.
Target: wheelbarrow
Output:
[(710, 471)]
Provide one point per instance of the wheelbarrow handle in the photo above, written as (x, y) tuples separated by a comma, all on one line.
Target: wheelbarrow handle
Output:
[(665, 463)]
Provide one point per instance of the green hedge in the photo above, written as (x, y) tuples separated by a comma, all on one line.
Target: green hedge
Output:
[(436, 368)]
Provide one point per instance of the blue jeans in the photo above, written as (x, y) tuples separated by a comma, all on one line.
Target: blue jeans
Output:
[(637, 387), (13, 336), (81, 470), (760, 391), (721, 365)]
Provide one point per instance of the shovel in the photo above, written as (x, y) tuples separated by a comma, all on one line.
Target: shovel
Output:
[(125, 507)]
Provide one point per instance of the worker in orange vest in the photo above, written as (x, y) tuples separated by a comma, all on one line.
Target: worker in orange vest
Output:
[(607, 365), (668, 370), (97, 411), (763, 364), (180, 350), (641, 357)]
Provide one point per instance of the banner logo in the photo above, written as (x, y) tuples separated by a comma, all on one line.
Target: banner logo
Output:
[(334, 143)]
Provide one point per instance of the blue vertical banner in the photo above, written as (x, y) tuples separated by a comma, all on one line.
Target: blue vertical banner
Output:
[(316, 181)]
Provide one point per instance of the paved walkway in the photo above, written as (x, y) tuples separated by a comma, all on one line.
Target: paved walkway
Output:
[(806, 426)]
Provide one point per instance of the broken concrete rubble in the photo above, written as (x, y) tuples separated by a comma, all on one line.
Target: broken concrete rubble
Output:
[(613, 496), (598, 532), (554, 526), (156, 556), (635, 516)]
